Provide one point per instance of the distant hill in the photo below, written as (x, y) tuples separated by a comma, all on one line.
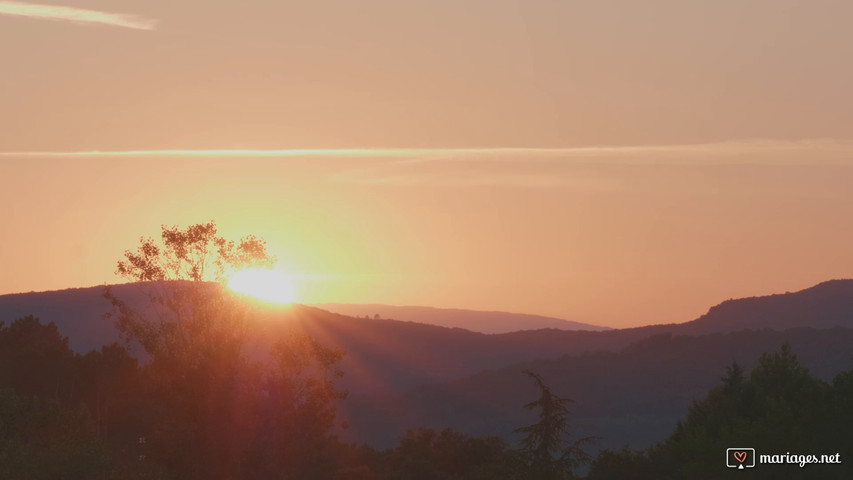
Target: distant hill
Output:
[(632, 396), (390, 356), (400, 373), (826, 305), (78, 312), (474, 320), (383, 356)]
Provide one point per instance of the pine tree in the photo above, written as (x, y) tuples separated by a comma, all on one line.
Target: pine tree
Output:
[(547, 454)]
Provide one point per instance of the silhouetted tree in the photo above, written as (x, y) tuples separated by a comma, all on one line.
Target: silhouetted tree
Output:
[(779, 408), (216, 412), (296, 412), (190, 319), (546, 452), (35, 359)]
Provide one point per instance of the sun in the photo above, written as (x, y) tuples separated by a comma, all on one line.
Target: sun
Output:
[(270, 285)]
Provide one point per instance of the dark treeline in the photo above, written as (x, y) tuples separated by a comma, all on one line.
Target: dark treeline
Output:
[(105, 415), (777, 409)]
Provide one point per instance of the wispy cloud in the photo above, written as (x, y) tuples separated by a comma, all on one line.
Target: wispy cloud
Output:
[(575, 168), (757, 151), (77, 15), (303, 152)]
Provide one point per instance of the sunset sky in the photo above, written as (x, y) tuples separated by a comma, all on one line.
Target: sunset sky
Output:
[(611, 162)]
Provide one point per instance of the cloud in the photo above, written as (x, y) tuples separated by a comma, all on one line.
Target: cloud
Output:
[(582, 168), (774, 152), (585, 168), (303, 152), (77, 15)]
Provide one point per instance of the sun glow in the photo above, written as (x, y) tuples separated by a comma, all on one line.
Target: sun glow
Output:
[(269, 285)]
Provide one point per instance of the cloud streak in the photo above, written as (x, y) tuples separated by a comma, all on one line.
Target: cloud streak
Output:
[(76, 15), (541, 168), (816, 151)]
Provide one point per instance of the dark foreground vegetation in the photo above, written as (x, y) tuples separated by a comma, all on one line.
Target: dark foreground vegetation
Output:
[(777, 409), (200, 400), (104, 415)]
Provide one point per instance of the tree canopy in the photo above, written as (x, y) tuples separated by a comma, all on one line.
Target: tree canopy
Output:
[(778, 408), (222, 413)]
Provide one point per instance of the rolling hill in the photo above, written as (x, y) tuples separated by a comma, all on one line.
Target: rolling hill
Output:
[(633, 396), (630, 384), (825, 305), (474, 320)]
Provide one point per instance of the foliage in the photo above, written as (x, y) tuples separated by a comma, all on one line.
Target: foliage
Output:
[(35, 359), (196, 254), (190, 318), (424, 454), (44, 431), (779, 408), (43, 440), (544, 448), (295, 412), (216, 412)]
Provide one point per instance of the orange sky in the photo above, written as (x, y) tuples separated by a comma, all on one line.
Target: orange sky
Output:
[(614, 236), (628, 162)]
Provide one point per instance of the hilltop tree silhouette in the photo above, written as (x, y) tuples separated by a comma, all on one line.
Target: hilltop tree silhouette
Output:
[(219, 413)]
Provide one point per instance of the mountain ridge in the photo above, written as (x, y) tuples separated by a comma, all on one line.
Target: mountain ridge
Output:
[(484, 321), (432, 367), (390, 357)]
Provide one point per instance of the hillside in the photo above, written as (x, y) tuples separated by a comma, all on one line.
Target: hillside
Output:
[(474, 320), (77, 312), (383, 356), (633, 396), (630, 384), (390, 356), (825, 305)]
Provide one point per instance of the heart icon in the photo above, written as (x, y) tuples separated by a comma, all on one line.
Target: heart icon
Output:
[(740, 456)]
